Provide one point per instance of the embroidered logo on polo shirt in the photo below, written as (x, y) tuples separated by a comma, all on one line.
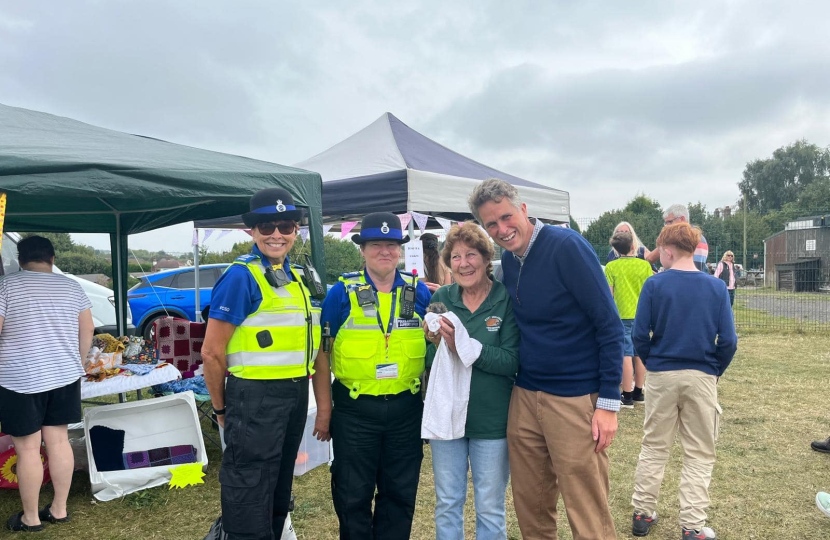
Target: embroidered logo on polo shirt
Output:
[(493, 323)]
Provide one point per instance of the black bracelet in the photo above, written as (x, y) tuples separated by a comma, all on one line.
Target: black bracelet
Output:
[(218, 412)]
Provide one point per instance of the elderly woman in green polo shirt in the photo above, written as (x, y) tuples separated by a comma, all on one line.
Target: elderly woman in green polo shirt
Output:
[(483, 306)]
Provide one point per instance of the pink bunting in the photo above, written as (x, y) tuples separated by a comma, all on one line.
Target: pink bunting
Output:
[(420, 220), (445, 223), (405, 219), (346, 227)]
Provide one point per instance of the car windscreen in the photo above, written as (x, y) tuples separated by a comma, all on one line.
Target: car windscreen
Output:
[(166, 281)]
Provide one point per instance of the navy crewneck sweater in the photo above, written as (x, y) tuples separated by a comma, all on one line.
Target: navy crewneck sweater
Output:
[(572, 336), (684, 321)]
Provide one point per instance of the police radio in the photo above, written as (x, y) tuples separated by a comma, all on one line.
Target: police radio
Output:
[(276, 277), (312, 281), (407, 310)]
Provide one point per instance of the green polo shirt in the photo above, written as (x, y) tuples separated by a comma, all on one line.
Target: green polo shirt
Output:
[(627, 275), (494, 326)]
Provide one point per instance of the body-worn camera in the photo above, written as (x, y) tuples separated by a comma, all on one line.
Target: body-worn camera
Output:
[(365, 296), (276, 276)]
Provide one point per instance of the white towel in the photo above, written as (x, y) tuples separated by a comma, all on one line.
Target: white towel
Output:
[(448, 392)]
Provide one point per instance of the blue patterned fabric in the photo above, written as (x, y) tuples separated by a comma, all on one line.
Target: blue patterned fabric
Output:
[(195, 384)]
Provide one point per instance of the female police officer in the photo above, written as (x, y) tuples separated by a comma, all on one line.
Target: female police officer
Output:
[(375, 317), (264, 330)]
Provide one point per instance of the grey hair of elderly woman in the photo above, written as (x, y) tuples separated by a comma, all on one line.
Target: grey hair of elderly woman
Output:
[(492, 189)]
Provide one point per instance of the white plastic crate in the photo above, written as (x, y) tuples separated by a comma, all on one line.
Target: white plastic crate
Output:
[(312, 453), (148, 423)]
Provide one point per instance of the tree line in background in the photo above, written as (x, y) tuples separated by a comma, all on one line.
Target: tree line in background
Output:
[(79, 259), (340, 255), (73, 258), (793, 183)]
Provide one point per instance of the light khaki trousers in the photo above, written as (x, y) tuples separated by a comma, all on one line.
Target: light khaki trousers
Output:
[(551, 451), (684, 402)]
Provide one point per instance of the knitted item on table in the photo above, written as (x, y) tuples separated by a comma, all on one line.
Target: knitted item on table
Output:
[(179, 342)]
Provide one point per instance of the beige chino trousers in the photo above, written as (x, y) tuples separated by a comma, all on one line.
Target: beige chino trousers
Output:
[(684, 402), (551, 451)]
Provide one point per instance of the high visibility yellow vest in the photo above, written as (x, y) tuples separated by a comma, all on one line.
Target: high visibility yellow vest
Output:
[(281, 338), (364, 360)]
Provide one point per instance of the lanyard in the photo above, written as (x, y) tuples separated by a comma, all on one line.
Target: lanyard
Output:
[(388, 331)]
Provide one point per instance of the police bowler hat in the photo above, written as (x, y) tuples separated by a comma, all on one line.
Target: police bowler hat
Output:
[(380, 226), (271, 204)]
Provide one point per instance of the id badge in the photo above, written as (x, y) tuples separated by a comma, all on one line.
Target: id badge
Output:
[(386, 371)]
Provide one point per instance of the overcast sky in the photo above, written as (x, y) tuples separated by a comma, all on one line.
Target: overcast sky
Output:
[(602, 99)]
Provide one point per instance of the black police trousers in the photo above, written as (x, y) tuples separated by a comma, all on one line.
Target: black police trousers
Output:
[(377, 444), (264, 424)]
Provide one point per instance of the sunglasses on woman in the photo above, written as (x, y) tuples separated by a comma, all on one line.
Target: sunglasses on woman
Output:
[(285, 227)]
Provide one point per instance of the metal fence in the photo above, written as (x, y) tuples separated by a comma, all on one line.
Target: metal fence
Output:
[(786, 286)]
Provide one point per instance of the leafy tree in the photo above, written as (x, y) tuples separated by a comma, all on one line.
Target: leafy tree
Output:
[(60, 241), (815, 198), (73, 262), (644, 214), (771, 183), (74, 258), (341, 255), (574, 224)]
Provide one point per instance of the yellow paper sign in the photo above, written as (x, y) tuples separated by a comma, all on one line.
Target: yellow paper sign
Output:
[(2, 215), (185, 475)]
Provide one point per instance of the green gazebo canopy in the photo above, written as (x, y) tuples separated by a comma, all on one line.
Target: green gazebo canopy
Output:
[(61, 175)]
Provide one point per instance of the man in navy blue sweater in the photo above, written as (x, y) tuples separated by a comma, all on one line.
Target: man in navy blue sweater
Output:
[(685, 336), (563, 410)]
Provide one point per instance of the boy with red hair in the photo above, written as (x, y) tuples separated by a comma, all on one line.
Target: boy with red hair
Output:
[(685, 335)]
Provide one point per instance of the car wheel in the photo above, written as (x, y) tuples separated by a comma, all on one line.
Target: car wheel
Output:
[(148, 333)]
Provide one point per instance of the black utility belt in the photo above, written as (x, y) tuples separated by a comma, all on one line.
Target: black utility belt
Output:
[(339, 386), (286, 380)]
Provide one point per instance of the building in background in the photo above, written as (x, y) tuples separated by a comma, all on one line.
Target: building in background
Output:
[(797, 259)]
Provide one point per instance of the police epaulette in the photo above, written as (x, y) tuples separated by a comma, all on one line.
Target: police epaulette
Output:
[(405, 273), (348, 275), (300, 266), (247, 258)]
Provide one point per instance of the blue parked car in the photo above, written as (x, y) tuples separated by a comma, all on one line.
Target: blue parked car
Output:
[(171, 293)]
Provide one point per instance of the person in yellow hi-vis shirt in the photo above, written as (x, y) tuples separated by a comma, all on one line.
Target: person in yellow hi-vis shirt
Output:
[(265, 331), (376, 320)]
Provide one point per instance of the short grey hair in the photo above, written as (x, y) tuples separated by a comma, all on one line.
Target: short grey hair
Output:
[(677, 210), (492, 189)]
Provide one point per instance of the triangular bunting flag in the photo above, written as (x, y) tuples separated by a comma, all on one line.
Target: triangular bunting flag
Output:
[(346, 227), (248, 231), (420, 221), (195, 237), (304, 234), (208, 232), (223, 234), (445, 223), (326, 229), (405, 219)]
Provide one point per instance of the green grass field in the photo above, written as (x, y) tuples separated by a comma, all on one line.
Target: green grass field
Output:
[(764, 482)]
